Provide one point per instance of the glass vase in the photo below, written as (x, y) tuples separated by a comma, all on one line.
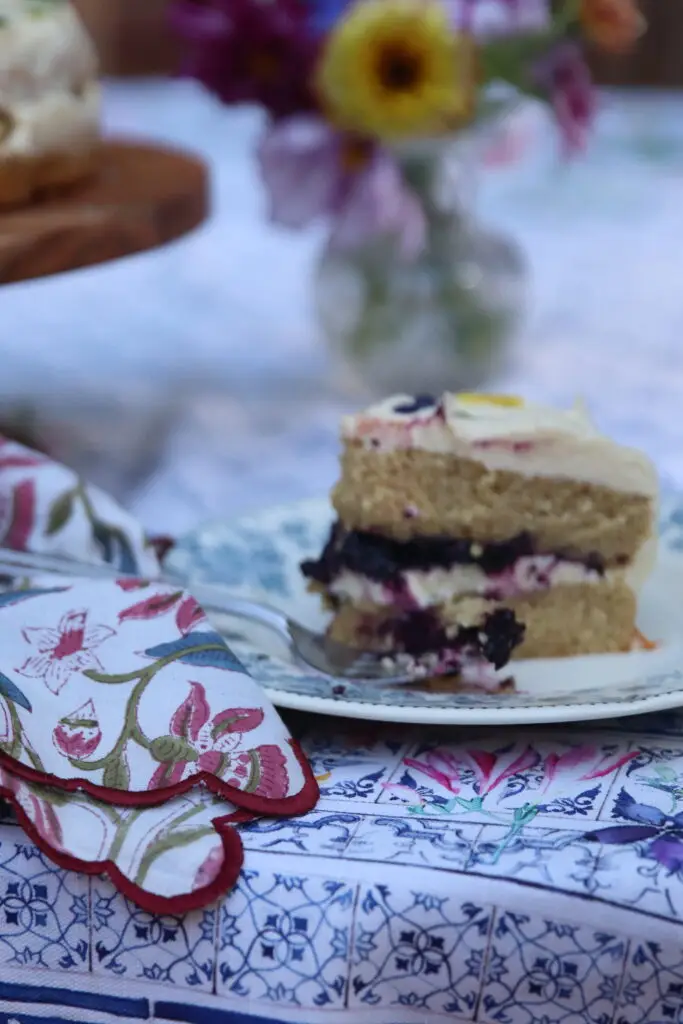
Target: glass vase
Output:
[(446, 320)]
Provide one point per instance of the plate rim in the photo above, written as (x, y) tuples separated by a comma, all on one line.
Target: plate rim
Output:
[(423, 714)]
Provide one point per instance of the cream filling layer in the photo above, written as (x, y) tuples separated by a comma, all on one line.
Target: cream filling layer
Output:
[(418, 589), (524, 438), (57, 122)]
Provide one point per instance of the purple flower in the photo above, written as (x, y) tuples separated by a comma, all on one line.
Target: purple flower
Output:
[(565, 76), (248, 51), (647, 823), (312, 171)]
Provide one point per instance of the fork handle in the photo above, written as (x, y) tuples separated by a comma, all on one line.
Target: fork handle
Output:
[(214, 599)]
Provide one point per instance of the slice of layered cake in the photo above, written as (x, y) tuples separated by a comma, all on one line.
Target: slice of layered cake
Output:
[(475, 528)]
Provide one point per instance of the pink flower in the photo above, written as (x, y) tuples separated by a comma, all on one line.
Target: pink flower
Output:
[(490, 769), (263, 771), (38, 810), (208, 870), (597, 766), (78, 734), (62, 651), (565, 75), (206, 742), (441, 766), (189, 615), (249, 51), (18, 515), (159, 603), (312, 171), (132, 584)]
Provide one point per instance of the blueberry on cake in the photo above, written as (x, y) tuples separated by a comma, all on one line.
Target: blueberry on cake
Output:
[(475, 528), (49, 99)]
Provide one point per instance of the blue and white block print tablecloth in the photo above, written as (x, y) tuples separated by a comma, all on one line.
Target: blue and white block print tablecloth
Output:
[(501, 878)]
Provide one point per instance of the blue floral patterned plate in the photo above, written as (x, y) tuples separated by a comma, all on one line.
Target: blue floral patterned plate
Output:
[(259, 555)]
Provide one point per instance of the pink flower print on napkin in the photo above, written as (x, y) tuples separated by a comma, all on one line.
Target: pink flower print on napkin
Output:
[(188, 612), (36, 806), (170, 859), (78, 734), (198, 742), (63, 651), (160, 602), (17, 515)]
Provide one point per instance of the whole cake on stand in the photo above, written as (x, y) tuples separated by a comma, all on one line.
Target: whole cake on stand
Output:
[(49, 100)]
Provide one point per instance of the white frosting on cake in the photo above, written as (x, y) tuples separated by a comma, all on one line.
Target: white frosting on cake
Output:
[(506, 433), (49, 96), (57, 122)]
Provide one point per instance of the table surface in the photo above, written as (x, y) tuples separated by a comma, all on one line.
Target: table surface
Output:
[(440, 878)]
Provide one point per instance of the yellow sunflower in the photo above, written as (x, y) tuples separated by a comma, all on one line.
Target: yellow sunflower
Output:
[(396, 69)]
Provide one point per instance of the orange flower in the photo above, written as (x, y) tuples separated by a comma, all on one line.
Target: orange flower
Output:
[(613, 25)]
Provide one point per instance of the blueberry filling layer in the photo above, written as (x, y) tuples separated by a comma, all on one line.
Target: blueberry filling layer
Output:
[(422, 632), (385, 560)]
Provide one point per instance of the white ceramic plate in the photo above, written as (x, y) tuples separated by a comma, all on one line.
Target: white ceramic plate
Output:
[(258, 556)]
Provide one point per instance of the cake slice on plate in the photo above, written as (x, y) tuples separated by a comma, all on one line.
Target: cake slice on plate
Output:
[(475, 528)]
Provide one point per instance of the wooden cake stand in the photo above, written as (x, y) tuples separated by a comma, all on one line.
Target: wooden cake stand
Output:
[(143, 196)]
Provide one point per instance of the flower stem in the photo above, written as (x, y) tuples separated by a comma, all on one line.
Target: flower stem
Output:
[(170, 842), (131, 727)]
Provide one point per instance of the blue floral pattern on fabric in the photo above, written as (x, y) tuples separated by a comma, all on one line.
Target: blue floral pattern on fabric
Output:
[(514, 876), (533, 878)]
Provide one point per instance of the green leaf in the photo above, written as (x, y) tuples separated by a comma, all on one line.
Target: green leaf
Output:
[(172, 749), (60, 513), (174, 841), (511, 58), (116, 774), (254, 779), (665, 772)]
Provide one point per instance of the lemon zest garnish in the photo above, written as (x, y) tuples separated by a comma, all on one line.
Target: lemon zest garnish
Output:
[(641, 642), (506, 401)]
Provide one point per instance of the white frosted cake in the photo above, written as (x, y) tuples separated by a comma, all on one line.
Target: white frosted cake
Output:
[(486, 527), (49, 99)]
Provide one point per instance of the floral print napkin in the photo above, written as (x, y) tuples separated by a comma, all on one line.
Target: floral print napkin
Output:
[(132, 741), (45, 508)]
